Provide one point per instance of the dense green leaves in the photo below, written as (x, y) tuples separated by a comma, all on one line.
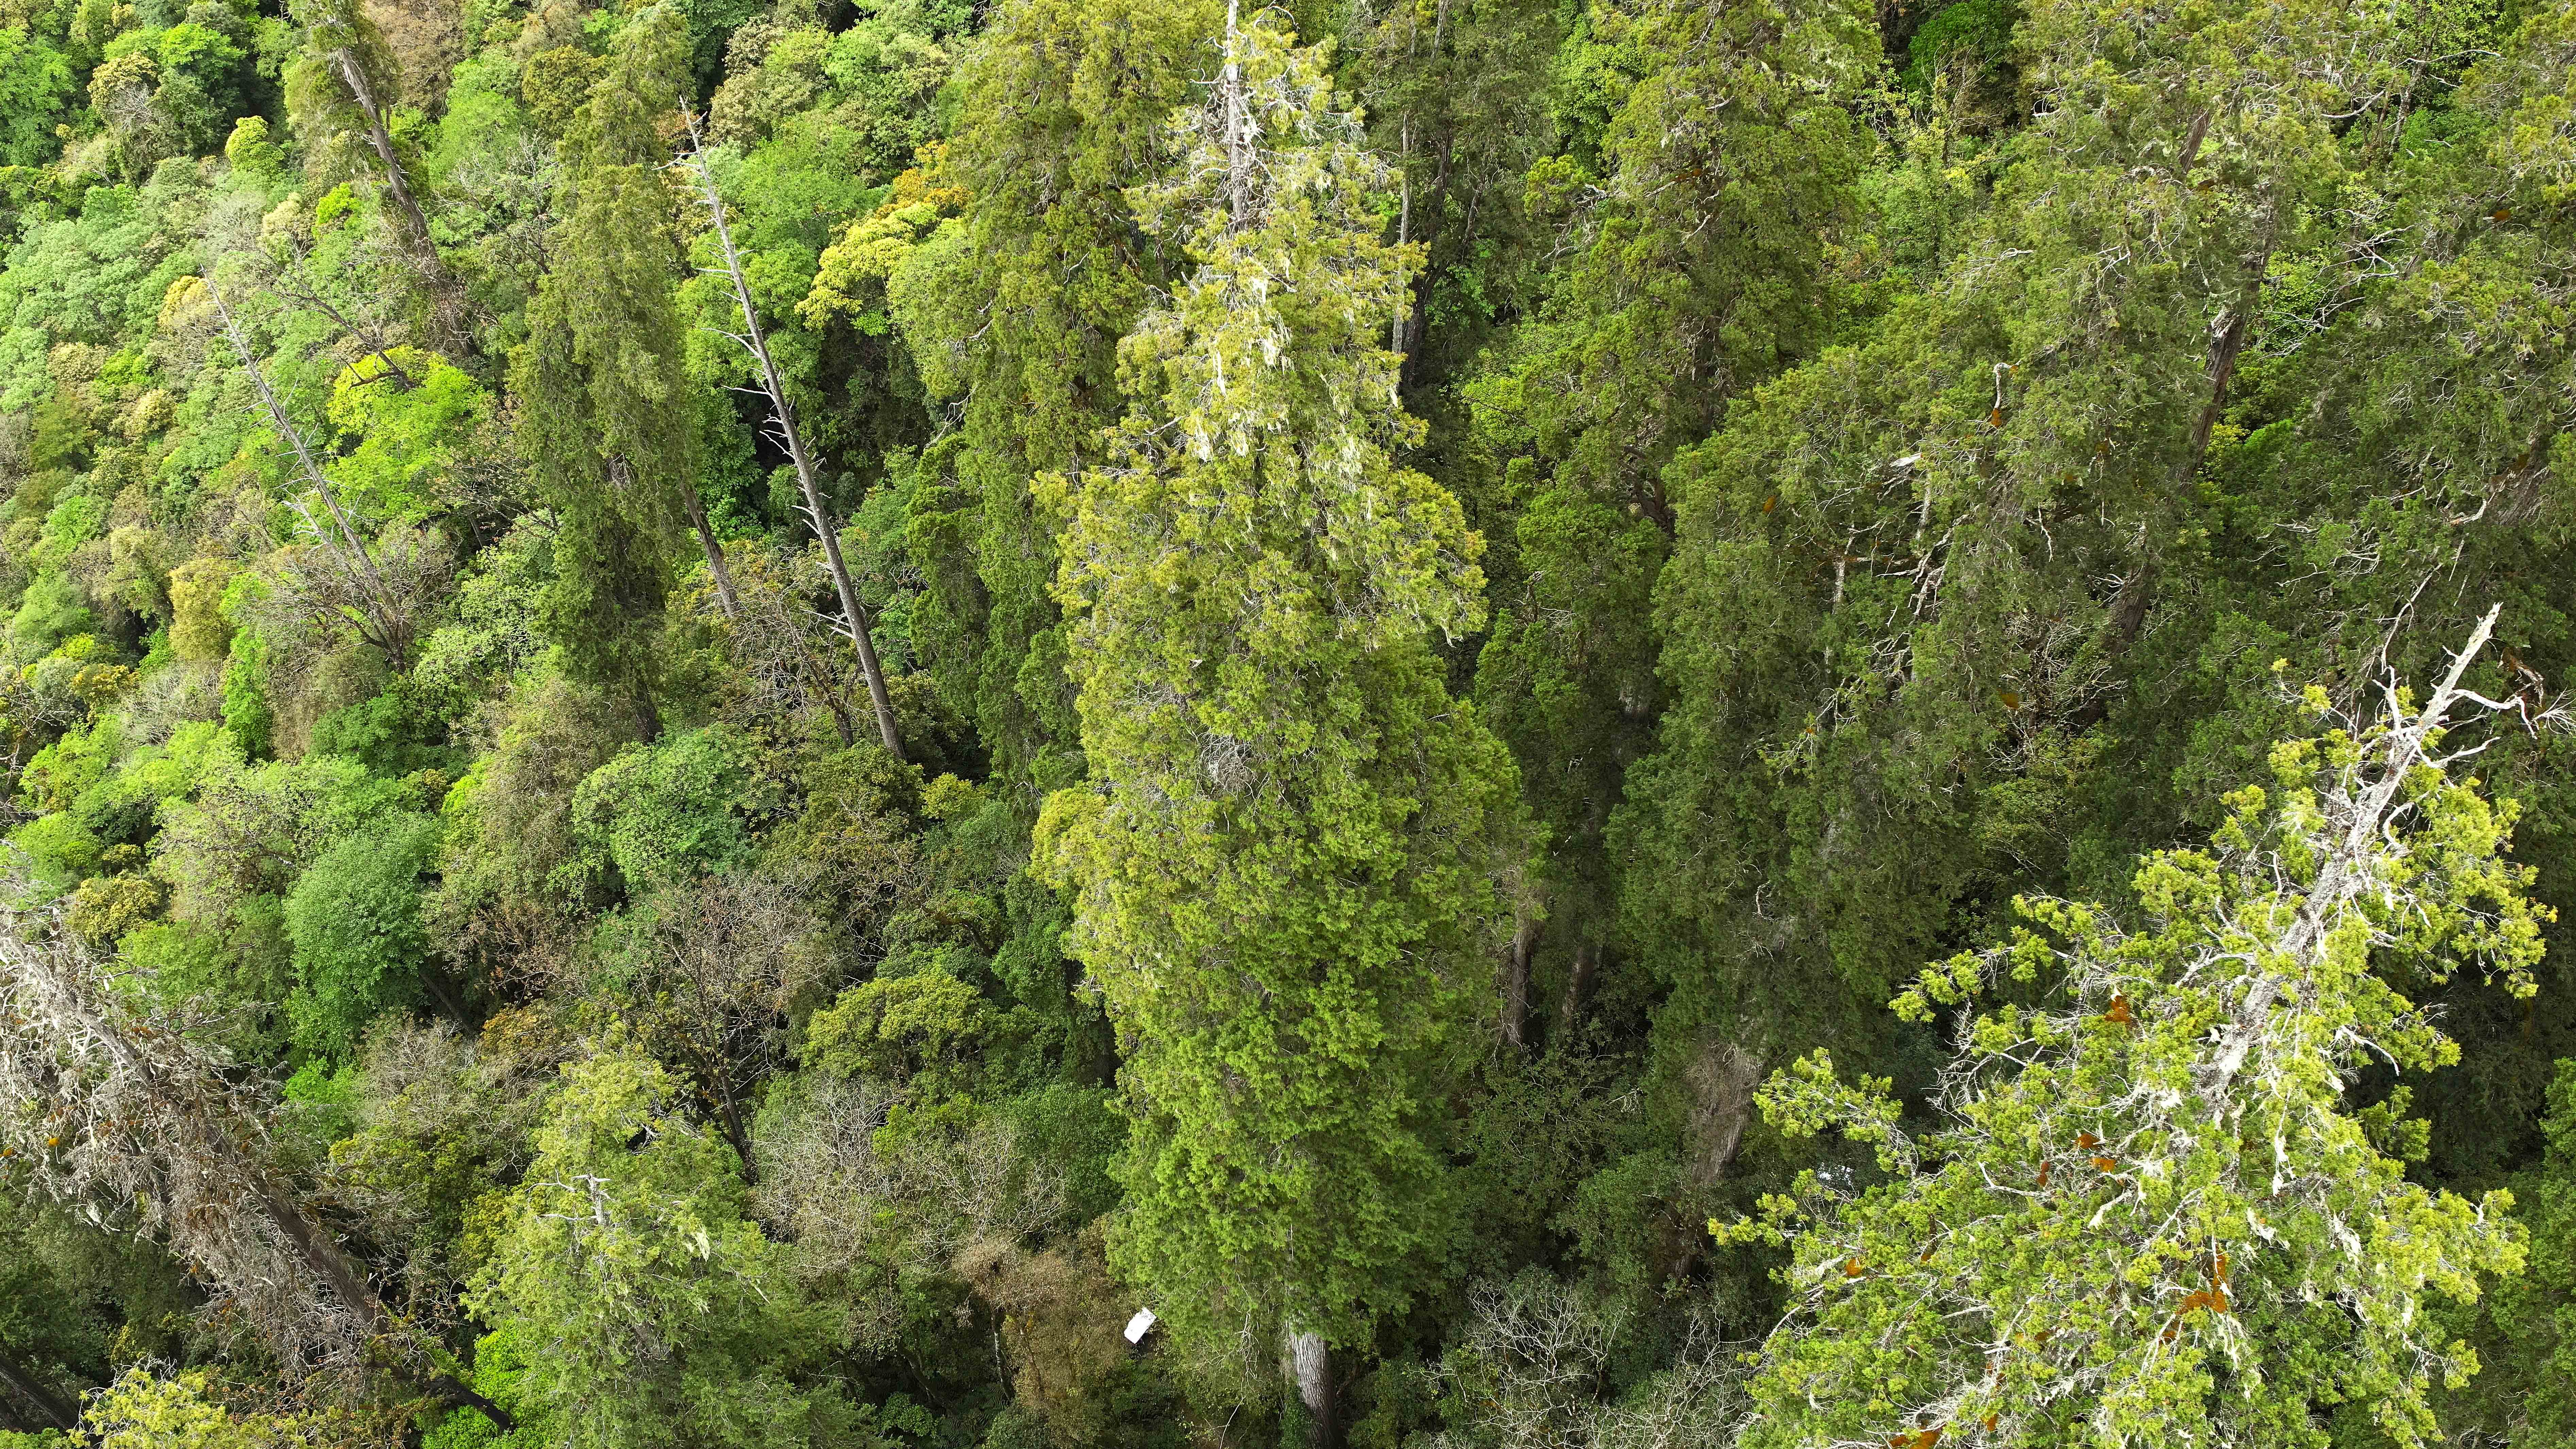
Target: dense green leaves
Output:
[(1439, 603)]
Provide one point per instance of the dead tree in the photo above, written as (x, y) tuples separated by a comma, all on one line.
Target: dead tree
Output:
[(782, 426), (382, 616), (126, 1117), (350, 58)]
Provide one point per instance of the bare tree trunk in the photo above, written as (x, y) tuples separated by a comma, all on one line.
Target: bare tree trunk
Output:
[(390, 628), (697, 511), (23, 1381), (1239, 160), (414, 222), (1516, 983), (783, 415), (1309, 1362)]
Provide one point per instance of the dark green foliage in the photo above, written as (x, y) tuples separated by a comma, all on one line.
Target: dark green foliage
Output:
[(1442, 631), (354, 918)]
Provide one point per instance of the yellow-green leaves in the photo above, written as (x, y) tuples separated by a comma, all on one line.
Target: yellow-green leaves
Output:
[(2150, 1217), (1279, 865)]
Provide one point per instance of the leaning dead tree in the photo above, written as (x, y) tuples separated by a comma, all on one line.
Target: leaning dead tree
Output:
[(126, 1117), (782, 428), (364, 591), (347, 69)]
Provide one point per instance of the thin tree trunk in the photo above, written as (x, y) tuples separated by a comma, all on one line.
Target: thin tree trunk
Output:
[(393, 632), (2129, 610), (783, 414), (1239, 161), (321, 1253), (448, 1001), (697, 511), (415, 222), (2129, 607), (24, 1382), (1516, 983), (1417, 321)]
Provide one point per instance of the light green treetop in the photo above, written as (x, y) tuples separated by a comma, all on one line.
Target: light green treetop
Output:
[(1279, 865), (632, 1286)]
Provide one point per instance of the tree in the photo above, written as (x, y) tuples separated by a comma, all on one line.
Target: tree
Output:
[(1456, 93), (124, 1112), (2527, 1341), (1066, 103), (143, 1411), (714, 967), (782, 422), (1889, 626), (344, 80), (633, 1288), (2149, 1215), (1698, 270), (607, 417), (1280, 866), (381, 594), (355, 920)]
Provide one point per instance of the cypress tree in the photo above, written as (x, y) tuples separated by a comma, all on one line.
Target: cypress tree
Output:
[(1282, 861), (604, 412)]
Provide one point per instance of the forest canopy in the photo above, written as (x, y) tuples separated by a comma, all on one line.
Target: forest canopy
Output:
[(1358, 724)]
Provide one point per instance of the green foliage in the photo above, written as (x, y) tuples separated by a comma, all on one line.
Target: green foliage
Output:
[(141, 1411), (2536, 1311), (34, 80), (636, 1292), (926, 1030), (1279, 869), (355, 920), (685, 806), (2149, 1215), (1453, 600)]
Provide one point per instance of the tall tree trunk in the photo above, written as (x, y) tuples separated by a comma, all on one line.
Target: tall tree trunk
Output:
[(1417, 317), (1516, 983), (23, 1382), (413, 222), (1309, 1362), (697, 511), (388, 623), (783, 416)]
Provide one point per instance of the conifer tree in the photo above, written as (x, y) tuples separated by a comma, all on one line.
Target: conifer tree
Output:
[(1906, 574), (1281, 865), (2151, 1216), (630, 1282), (1067, 104), (1698, 271), (606, 413)]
